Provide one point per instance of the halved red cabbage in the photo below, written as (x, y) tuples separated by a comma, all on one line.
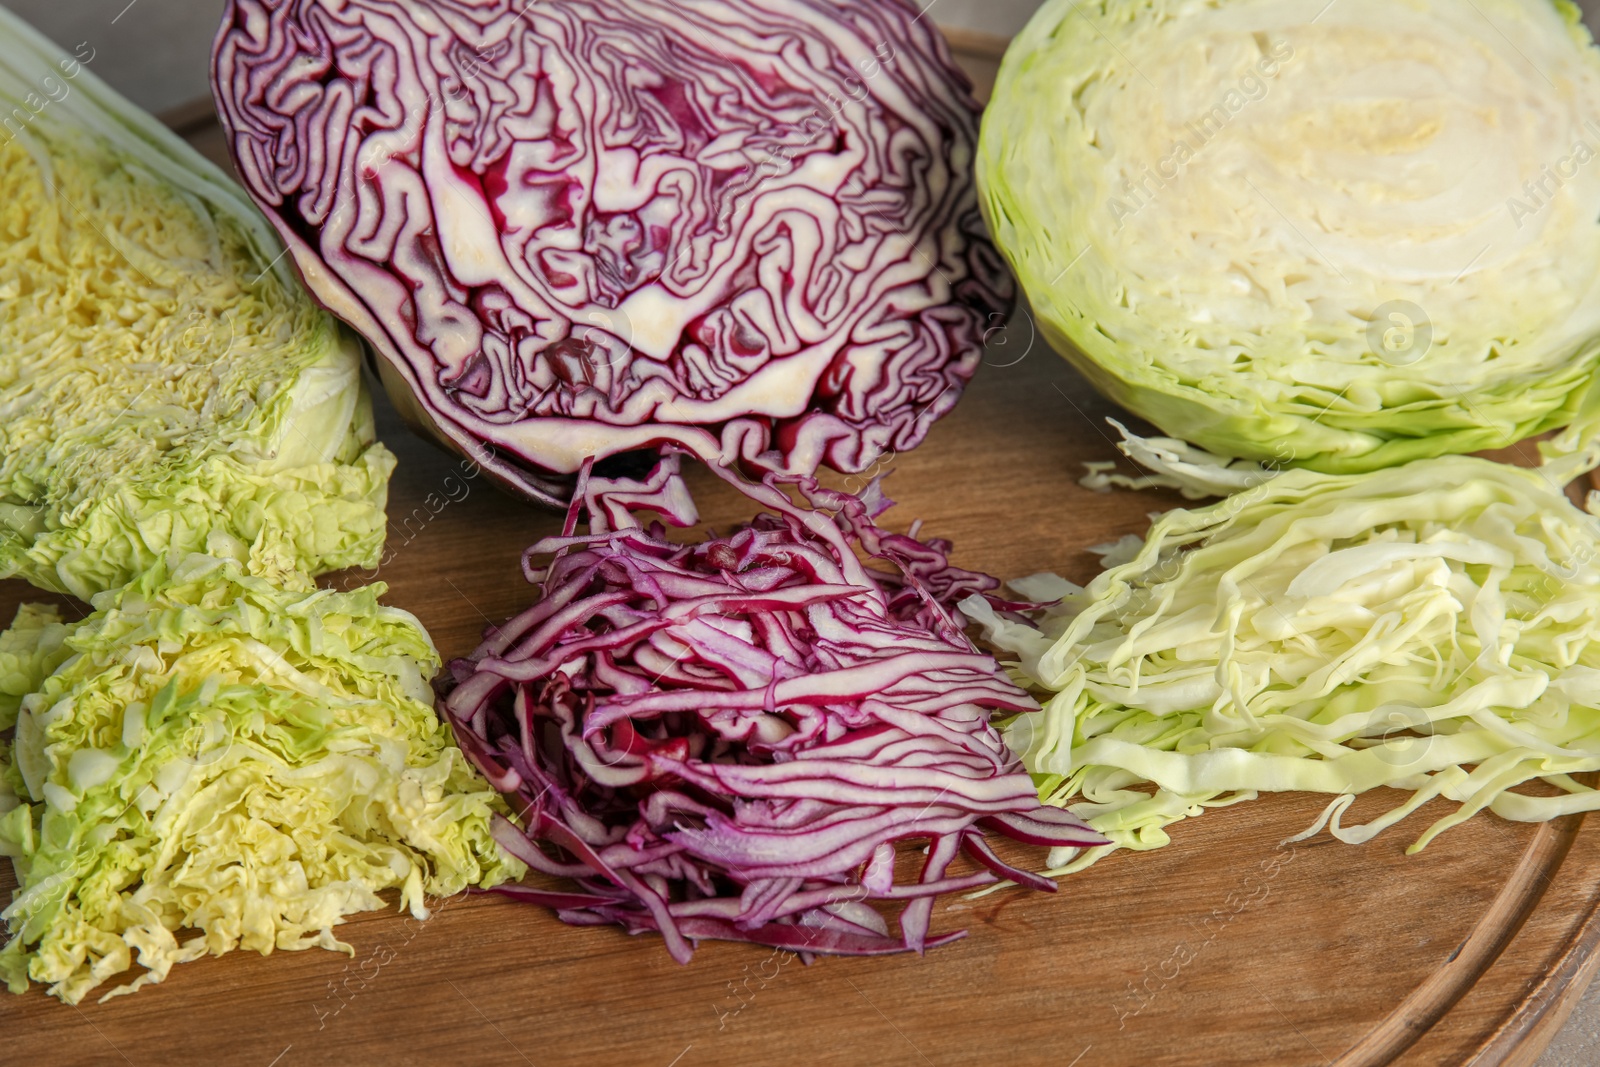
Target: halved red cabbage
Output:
[(725, 739), (579, 228)]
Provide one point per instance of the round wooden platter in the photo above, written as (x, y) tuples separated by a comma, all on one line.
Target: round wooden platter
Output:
[(1226, 947)]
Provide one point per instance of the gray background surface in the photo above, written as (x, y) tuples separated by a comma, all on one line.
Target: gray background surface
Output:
[(156, 52)]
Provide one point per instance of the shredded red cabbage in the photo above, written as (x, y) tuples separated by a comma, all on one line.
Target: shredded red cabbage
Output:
[(726, 739)]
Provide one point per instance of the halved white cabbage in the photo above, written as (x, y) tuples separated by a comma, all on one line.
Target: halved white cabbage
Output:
[(1336, 235)]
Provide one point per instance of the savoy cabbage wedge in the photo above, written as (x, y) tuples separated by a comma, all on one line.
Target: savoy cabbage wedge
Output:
[(218, 755), (1433, 627), (166, 386), (1338, 236)]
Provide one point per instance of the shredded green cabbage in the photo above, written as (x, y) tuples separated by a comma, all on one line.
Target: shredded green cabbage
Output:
[(29, 651), (216, 752), (165, 383), (1168, 463), (1433, 627)]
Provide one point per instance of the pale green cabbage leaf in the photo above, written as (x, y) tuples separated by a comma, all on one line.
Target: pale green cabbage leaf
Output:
[(1340, 236), (166, 386), (1167, 463), (215, 755), (29, 651), (1433, 627)]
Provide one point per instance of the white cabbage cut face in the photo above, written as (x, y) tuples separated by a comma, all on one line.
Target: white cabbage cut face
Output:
[(1340, 236), (584, 227), (164, 385)]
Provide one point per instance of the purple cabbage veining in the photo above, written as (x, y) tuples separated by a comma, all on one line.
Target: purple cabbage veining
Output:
[(726, 739), (745, 229)]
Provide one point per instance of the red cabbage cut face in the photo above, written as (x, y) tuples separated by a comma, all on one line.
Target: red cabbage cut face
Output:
[(578, 228)]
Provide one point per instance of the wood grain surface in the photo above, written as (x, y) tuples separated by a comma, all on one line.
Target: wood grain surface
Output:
[(1226, 948)]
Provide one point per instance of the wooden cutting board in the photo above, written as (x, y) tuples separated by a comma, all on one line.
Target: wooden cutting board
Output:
[(1224, 948)]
